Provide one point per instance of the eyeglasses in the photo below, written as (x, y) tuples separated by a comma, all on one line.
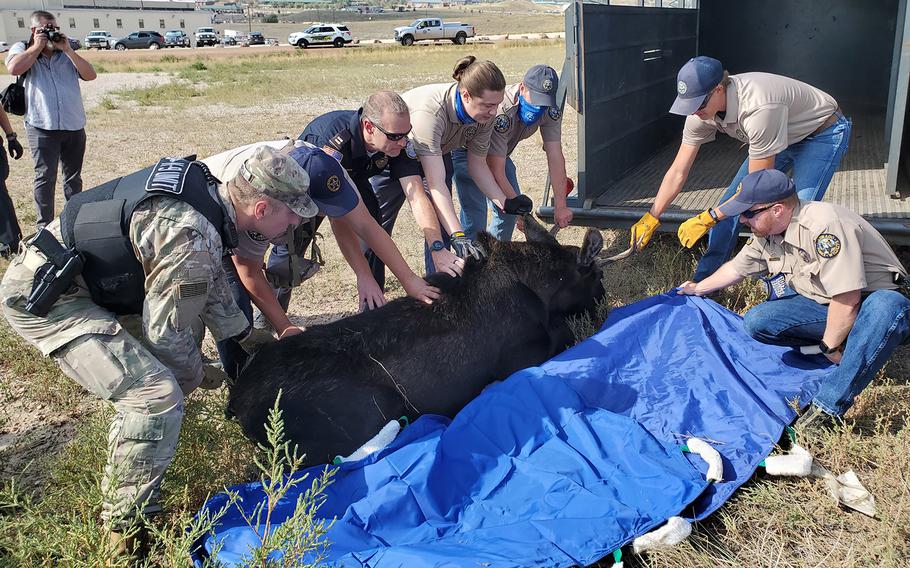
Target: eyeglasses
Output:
[(704, 103), (393, 136), (753, 212)]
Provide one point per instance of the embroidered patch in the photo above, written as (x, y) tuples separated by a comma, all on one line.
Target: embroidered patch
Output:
[(333, 183), (827, 245), (381, 162), (681, 87), (258, 237), (554, 113), (470, 132), (333, 153), (547, 85), (502, 123), (410, 151)]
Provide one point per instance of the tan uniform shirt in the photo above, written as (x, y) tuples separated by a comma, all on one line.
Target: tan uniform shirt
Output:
[(436, 128), (767, 112), (826, 250), (509, 130)]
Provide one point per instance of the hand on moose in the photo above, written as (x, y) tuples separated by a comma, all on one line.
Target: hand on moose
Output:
[(369, 294), (445, 261), (642, 231), (465, 247), (254, 339), (518, 205), (562, 216), (289, 331), (419, 289)]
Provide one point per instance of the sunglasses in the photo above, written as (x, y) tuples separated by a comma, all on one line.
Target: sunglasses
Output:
[(393, 136), (753, 212)]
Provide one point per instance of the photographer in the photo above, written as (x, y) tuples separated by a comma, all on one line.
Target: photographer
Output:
[(55, 118)]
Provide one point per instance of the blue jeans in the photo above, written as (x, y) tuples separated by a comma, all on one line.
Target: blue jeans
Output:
[(232, 356), (474, 203), (881, 325), (813, 159)]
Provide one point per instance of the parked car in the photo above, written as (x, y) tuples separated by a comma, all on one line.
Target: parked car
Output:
[(433, 28), (98, 39), (337, 35), (256, 38), (206, 36), (229, 40), (140, 40), (176, 38)]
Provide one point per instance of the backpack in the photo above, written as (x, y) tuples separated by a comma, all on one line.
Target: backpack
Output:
[(13, 97)]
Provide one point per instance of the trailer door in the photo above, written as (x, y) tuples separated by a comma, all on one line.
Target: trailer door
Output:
[(626, 58)]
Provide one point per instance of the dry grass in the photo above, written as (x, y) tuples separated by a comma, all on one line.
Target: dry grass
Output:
[(258, 96)]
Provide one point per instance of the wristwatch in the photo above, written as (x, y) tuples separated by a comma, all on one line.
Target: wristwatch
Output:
[(828, 350), (437, 246)]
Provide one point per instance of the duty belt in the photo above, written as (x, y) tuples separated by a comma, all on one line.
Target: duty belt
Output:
[(829, 122)]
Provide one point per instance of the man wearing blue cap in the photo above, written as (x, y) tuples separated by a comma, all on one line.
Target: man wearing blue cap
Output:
[(786, 124), (527, 107), (833, 283), (335, 196)]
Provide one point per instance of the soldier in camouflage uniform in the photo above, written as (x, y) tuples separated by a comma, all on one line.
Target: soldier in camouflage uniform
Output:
[(146, 379)]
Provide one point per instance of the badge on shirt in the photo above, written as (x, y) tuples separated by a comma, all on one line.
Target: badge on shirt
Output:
[(258, 237), (470, 132), (410, 151), (380, 161), (804, 255), (502, 123), (554, 113), (827, 245), (333, 184)]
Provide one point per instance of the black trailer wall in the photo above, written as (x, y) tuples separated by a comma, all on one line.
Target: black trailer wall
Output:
[(843, 47)]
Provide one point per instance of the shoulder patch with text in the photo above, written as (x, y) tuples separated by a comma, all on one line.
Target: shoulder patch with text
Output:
[(827, 245)]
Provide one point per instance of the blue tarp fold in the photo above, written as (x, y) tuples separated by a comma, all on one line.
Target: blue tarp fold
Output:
[(561, 464)]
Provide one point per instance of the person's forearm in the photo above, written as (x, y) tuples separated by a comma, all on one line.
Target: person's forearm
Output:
[(484, 180), (84, 68), (669, 189), (383, 246), (497, 165), (5, 123), (422, 209), (260, 291), (724, 276), (440, 196), (22, 62), (556, 164), (842, 312), (349, 244)]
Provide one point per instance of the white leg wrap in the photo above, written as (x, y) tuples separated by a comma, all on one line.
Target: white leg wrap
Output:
[(798, 463), (376, 443), (676, 530), (710, 455)]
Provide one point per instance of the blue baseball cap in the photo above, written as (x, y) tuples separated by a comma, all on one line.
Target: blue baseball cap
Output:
[(694, 83), (541, 82), (763, 186), (330, 187)]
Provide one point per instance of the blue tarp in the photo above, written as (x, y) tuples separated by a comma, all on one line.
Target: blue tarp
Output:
[(561, 464)]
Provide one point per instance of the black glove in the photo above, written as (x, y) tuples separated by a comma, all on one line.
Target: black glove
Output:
[(15, 148), (518, 205), (465, 247)]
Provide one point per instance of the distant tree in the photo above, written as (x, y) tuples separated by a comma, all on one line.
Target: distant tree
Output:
[(270, 19)]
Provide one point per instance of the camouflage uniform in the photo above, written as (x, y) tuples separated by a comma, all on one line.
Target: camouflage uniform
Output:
[(145, 379)]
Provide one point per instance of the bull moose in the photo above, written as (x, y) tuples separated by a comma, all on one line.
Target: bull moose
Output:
[(342, 382)]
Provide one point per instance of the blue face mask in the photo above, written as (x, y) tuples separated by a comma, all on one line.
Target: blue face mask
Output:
[(459, 110), (528, 113)]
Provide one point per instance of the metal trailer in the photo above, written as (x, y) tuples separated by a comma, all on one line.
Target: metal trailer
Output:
[(620, 77)]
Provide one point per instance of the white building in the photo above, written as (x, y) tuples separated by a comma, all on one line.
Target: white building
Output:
[(120, 17)]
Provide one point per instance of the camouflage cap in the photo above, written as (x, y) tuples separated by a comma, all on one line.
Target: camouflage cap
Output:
[(280, 177)]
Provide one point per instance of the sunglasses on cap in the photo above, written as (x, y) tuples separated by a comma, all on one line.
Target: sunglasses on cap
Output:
[(749, 214), (393, 136)]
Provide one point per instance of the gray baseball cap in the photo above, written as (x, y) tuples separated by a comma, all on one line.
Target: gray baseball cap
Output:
[(280, 177), (541, 82)]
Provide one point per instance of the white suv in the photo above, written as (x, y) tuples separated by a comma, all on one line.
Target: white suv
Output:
[(337, 35)]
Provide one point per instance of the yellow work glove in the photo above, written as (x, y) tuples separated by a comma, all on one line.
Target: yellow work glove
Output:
[(696, 227), (642, 231)]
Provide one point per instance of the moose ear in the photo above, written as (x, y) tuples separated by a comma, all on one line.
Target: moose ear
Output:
[(590, 248), (535, 233)]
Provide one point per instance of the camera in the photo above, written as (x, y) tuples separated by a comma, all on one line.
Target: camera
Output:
[(53, 35)]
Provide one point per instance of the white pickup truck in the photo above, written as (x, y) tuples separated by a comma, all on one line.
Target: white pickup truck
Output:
[(433, 29)]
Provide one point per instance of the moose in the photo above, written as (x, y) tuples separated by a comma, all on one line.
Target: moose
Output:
[(342, 382)]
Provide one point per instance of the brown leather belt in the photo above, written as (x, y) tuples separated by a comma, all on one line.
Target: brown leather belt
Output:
[(829, 122)]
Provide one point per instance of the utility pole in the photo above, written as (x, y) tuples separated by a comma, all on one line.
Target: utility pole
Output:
[(249, 17)]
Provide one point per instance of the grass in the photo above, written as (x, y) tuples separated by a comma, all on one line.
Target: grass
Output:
[(49, 515)]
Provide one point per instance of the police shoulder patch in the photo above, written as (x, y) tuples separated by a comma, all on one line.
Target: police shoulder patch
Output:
[(827, 245), (333, 183), (410, 151), (554, 113), (502, 123), (258, 237)]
